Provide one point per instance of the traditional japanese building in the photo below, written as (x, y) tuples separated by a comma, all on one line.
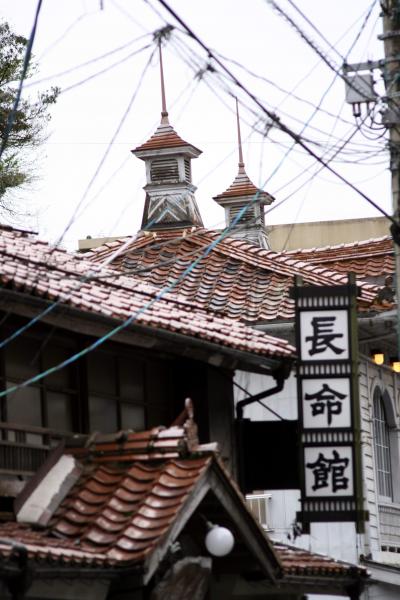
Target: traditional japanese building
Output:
[(125, 513), (241, 278), (150, 514)]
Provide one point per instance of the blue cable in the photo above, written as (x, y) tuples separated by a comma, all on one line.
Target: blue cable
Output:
[(136, 314)]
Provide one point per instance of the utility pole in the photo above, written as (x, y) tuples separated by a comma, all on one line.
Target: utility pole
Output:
[(359, 91), (391, 118)]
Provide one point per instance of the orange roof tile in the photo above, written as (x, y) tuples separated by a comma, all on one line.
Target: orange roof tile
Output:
[(297, 561), (124, 506), (31, 266), (237, 278), (367, 258), (164, 137), (242, 186), (119, 512)]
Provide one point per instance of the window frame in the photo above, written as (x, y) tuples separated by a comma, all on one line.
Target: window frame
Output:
[(382, 448)]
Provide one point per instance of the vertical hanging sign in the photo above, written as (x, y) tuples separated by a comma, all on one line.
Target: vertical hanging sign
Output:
[(328, 403)]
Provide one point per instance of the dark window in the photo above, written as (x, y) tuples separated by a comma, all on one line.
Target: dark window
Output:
[(116, 394), (47, 403), (107, 390)]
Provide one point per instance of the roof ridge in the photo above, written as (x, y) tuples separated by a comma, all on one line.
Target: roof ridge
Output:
[(257, 251), (342, 245)]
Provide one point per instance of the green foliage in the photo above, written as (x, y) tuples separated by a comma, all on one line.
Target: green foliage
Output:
[(30, 118)]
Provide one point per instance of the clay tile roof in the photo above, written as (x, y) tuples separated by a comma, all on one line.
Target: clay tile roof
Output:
[(32, 267), (164, 137), (297, 561), (367, 258), (237, 279), (153, 444), (243, 186), (45, 547), (127, 500), (121, 512), (116, 513)]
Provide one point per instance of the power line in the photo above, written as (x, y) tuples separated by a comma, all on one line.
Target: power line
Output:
[(350, 82), (158, 296), (254, 127), (28, 53), (105, 70), (322, 36), (278, 87), (64, 34), (304, 126), (99, 166), (89, 62), (284, 128), (229, 108), (326, 59)]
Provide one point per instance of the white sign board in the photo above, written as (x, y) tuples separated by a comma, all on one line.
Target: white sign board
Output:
[(324, 335), (326, 403), (328, 471)]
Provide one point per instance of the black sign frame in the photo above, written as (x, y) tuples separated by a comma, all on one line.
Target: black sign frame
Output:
[(322, 507)]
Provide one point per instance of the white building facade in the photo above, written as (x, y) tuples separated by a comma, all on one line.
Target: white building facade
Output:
[(379, 546)]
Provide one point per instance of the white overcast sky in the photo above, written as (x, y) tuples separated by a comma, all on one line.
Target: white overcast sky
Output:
[(85, 118)]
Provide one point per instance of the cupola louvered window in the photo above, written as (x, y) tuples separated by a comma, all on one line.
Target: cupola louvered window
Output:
[(164, 169), (247, 218), (188, 170)]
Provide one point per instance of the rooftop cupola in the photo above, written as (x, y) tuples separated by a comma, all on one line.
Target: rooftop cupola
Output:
[(170, 200), (243, 192)]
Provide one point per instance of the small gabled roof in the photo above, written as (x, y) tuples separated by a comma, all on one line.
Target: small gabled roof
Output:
[(318, 573), (243, 188), (165, 136), (236, 278), (134, 496)]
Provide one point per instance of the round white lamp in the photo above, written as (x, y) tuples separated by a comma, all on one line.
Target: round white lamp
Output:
[(219, 541)]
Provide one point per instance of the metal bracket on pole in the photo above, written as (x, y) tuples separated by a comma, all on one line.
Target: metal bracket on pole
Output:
[(364, 66)]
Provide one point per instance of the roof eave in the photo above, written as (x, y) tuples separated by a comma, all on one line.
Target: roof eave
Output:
[(144, 336), (184, 149), (340, 585), (226, 198)]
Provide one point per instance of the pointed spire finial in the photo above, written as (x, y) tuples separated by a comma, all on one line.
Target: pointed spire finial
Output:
[(241, 163), (164, 112)]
